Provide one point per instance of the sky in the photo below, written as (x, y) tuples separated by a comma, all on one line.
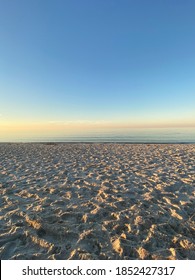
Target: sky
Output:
[(71, 65)]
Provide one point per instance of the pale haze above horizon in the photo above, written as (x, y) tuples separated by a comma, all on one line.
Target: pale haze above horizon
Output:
[(72, 66)]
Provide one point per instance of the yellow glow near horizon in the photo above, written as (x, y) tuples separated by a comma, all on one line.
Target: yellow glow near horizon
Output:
[(16, 129)]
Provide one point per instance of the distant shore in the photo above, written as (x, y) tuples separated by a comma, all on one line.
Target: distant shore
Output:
[(97, 200)]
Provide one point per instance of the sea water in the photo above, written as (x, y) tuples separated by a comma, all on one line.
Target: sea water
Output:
[(139, 135)]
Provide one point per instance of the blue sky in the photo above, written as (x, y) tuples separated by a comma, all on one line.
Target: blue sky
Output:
[(109, 61)]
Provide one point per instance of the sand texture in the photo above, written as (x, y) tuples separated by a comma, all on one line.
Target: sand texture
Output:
[(97, 201)]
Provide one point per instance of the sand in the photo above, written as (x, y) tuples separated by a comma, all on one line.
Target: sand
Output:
[(97, 201)]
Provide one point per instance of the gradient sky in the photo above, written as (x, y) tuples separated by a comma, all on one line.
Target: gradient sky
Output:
[(72, 64)]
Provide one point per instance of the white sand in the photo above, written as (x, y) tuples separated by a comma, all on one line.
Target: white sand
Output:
[(97, 201)]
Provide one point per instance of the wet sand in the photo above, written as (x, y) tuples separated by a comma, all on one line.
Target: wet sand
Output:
[(97, 201)]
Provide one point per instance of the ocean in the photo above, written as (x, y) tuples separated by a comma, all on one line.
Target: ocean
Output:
[(141, 135)]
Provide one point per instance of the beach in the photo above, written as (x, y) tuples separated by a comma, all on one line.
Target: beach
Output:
[(90, 201)]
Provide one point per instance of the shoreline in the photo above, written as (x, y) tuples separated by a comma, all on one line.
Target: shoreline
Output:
[(98, 142)]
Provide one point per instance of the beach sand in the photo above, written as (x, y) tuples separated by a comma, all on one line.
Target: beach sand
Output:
[(97, 201)]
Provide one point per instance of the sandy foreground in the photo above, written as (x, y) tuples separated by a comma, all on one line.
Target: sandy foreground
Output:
[(97, 201)]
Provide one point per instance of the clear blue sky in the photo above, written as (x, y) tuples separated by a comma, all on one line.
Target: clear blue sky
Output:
[(97, 60)]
